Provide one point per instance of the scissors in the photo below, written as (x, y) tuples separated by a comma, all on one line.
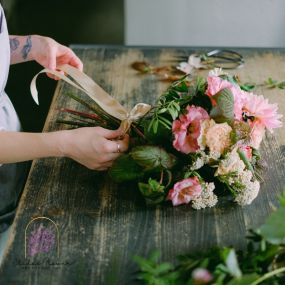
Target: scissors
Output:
[(222, 58)]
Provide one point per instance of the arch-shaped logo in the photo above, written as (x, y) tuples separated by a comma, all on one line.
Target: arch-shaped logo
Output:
[(42, 238)]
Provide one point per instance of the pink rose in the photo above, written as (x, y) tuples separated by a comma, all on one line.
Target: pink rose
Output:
[(187, 129), (184, 191)]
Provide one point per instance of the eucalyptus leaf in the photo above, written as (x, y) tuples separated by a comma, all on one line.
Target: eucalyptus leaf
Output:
[(274, 228), (125, 169), (152, 157), (224, 111), (231, 262)]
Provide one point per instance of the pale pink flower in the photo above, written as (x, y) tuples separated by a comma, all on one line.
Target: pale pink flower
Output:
[(185, 67), (201, 276), (187, 129), (194, 61), (256, 110), (184, 191), (218, 138), (216, 84)]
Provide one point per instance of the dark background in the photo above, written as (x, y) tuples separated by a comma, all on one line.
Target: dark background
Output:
[(68, 22)]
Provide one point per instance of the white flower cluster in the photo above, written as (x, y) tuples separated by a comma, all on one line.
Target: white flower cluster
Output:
[(241, 179), (249, 193), (207, 197)]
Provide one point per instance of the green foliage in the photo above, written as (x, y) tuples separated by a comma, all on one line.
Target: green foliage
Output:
[(271, 83), (125, 169), (262, 263), (274, 229), (152, 157), (224, 110), (152, 191), (174, 100), (155, 273)]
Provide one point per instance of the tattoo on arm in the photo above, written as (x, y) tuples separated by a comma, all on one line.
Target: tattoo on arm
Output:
[(14, 44), (27, 47)]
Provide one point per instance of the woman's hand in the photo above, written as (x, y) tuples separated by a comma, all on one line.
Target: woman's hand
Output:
[(44, 50), (95, 148), (50, 54)]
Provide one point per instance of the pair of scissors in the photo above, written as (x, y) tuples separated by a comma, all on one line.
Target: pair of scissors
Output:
[(221, 58)]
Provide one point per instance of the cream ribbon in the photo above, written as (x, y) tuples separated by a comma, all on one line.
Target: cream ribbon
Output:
[(84, 83)]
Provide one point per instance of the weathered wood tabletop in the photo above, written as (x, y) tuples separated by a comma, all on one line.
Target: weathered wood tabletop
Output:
[(102, 226)]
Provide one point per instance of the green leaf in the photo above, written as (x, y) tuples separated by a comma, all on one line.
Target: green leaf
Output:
[(224, 111), (244, 280), (248, 87), (125, 169), (152, 191), (281, 85), (152, 157), (274, 228), (230, 259)]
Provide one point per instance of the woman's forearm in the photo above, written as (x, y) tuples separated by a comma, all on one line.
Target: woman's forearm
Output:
[(20, 146), (21, 48)]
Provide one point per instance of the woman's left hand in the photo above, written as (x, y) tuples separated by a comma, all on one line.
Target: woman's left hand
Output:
[(50, 54)]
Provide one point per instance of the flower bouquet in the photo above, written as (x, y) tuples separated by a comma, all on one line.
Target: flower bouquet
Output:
[(199, 142)]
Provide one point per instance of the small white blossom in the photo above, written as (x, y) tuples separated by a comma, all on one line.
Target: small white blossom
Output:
[(248, 194), (197, 164), (217, 72), (207, 197)]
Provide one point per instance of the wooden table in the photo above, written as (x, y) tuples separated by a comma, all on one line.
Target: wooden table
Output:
[(102, 226)]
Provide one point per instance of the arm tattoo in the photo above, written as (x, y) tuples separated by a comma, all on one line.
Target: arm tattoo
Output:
[(27, 47), (14, 44)]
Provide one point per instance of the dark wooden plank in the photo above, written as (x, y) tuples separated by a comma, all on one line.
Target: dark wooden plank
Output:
[(103, 225)]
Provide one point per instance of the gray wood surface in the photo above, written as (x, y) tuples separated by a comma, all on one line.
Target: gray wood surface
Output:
[(102, 226)]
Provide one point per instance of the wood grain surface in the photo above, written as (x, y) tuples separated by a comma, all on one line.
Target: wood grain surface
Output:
[(102, 225)]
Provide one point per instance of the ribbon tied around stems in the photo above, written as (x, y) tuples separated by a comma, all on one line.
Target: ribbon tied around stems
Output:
[(83, 82)]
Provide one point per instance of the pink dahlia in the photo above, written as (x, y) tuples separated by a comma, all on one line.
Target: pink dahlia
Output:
[(256, 110), (187, 129), (184, 191)]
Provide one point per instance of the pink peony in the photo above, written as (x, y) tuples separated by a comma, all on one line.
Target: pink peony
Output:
[(256, 110), (184, 191), (187, 129)]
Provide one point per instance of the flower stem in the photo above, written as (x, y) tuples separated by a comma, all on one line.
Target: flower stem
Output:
[(268, 275)]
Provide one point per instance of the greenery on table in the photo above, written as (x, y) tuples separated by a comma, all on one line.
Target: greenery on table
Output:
[(262, 263)]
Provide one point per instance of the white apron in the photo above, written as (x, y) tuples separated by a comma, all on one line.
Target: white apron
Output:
[(11, 175)]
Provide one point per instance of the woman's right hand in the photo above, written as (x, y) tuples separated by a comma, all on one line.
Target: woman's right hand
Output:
[(94, 147)]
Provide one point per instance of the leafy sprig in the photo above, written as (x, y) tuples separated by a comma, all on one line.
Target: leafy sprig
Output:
[(262, 263)]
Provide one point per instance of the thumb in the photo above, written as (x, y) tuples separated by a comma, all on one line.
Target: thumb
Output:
[(110, 134)]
